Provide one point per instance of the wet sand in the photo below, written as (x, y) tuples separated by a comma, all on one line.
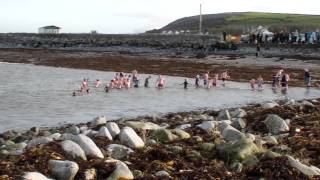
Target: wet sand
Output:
[(241, 68)]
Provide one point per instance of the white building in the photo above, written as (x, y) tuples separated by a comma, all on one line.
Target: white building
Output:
[(49, 30)]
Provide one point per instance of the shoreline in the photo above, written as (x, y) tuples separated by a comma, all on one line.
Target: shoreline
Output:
[(188, 145)]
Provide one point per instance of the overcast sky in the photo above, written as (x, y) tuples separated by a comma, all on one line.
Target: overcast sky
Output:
[(127, 16)]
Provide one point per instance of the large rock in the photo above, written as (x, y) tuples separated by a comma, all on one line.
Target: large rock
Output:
[(181, 133), (307, 170), (100, 120), (275, 124), (224, 115), (88, 146), (63, 170), (237, 113), (232, 134), (113, 129), (238, 150), (163, 135), (73, 149), (121, 172), (142, 125), (130, 138), (104, 132), (207, 126), (269, 105), (118, 151), (34, 176), (38, 141)]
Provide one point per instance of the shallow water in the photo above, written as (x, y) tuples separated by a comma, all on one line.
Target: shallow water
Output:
[(41, 96)]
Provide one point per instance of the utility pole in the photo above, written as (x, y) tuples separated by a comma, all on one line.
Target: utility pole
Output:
[(200, 22)]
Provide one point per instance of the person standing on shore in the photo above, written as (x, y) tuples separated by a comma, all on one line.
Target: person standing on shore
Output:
[(258, 49), (307, 78)]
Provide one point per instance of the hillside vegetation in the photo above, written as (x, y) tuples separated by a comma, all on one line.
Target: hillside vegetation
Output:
[(239, 23)]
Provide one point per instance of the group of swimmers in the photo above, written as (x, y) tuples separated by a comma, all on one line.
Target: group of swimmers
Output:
[(126, 81)]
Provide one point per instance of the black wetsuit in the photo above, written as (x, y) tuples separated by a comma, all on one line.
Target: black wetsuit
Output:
[(284, 81), (185, 84), (197, 82), (146, 82)]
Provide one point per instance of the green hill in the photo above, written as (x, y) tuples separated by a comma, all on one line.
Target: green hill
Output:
[(243, 22)]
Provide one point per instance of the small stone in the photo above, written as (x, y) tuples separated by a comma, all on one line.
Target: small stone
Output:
[(142, 125), (270, 105), (137, 173), (63, 170), (207, 147), (176, 149), (224, 115), (130, 138), (104, 132), (87, 145), (181, 133), (237, 167), (100, 120), (184, 126), (276, 124), (270, 140), (307, 170), (238, 123), (90, 174), (194, 155), (207, 126), (34, 176), (162, 174), (163, 135), (121, 172), (38, 141), (35, 130), (197, 138), (232, 134), (73, 149), (237, 113), (151, 142), (55, 136), (113, 129), (73, 130), (118, 151)]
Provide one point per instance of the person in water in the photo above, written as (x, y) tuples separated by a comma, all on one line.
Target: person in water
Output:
[(215, 80), (97, 83), (284, 82), (224, 77), (307, 78), (274, 81), (252, 84), (206, 78), (160, 82), (146, 81), (135, 78), (185, 83), (260, 83), (197, 81)]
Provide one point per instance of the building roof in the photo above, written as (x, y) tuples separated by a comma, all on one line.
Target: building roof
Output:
[(51, 27)]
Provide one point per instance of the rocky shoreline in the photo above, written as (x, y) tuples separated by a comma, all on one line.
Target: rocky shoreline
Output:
[(274, 140)]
